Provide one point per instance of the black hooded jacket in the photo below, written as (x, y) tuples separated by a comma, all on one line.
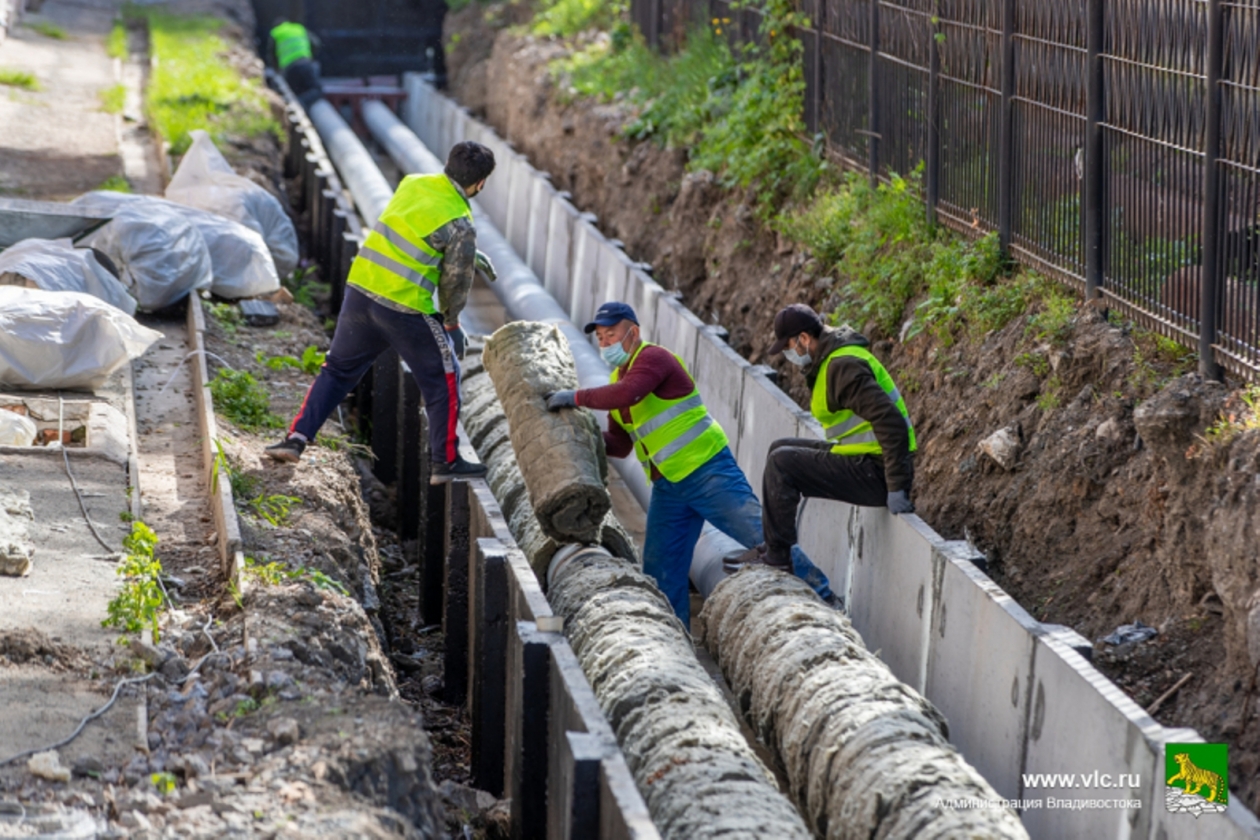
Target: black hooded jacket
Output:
[(851, 385)]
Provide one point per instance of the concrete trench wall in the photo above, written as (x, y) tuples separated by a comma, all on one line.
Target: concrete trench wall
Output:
[(866, 755), (1018, 695)]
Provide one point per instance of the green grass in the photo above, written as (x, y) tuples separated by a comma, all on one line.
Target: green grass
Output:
[(566, 18), (310, 362), (18, 79), (49, 30), (192, 86), (140, 600), (241, 399), (116, 43), (112, 98), (115, 183)]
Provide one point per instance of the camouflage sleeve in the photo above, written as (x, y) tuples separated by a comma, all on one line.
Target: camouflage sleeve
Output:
[(457, 240)]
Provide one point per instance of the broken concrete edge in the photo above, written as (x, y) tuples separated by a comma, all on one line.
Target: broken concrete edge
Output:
[(222, 506)]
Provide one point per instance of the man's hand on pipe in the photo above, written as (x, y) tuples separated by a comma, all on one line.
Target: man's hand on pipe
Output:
[(557, 400)]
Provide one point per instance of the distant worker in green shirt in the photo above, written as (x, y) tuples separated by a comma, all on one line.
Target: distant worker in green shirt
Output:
[(291, 50)]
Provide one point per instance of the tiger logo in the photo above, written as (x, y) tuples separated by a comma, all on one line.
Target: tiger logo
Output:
[(1195, 778)]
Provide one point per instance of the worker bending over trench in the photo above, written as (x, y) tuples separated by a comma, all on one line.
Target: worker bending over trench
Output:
[(655, 410)]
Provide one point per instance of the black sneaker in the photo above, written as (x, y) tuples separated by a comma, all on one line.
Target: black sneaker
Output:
[(756, 556), (443, 472), (288, 450)]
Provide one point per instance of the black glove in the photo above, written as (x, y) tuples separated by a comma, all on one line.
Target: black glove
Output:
[(899, 502), (561, 399), (458, 339)]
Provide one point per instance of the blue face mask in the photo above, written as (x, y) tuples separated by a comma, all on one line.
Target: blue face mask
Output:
[(614, 354)]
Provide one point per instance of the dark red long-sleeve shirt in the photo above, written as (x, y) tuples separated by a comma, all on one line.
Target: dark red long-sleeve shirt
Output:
[(655, 371)]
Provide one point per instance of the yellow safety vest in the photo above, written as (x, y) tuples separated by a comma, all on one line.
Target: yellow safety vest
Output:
[(395, 261), (678, 436), (853, 435), (292, 43)]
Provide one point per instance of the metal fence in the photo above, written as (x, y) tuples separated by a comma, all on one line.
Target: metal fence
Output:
[(1114, 144)]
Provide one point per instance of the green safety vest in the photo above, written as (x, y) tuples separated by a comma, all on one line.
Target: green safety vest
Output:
[(853, 435), (292, 43), (678, 436), (395, 261)]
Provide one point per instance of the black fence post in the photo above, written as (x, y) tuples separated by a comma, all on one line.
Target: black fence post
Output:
[(385, 416), (409, 445), (1211, 269), (932, 187), (489, 635), (1006, 137), (1097, 172), (455, 595), (527, 761), (431, 542), (872, 134)]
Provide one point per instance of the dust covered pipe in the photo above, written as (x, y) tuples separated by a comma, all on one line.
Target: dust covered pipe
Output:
[(560, 453), (866, 755), (517, 288), (487, 427), (360, 174), (697, 773)]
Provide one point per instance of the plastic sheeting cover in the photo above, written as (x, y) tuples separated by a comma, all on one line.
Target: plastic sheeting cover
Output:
[(16, 430), (64, 339), (207, 181), (55, 265)]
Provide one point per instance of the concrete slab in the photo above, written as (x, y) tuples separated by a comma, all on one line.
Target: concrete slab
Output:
[(719, 374), (677, 328), (562, 219), (979, 637), (583, 279), (808, 427), (539, 231), (821, 534), (891, 562), (766, 415), (521, 185), (623, 815), (612, 275), (642, 293), (1081, 723)]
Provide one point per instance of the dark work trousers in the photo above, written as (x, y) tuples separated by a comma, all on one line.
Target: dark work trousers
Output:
[(303, 78), (801, 467), (365, 329)]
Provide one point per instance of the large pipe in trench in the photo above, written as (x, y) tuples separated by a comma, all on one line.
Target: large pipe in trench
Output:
[(360, 174), (517, 287), (865, 754)]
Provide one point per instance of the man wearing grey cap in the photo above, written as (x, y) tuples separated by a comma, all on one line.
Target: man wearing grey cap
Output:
[(654, 409), (867, 458)]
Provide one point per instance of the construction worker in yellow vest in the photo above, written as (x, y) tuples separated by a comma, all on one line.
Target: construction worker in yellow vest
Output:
[(406, 290), (867, 458), (655, 410), (291, 50)]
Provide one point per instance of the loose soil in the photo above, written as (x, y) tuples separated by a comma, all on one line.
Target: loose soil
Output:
[(1101, 520)]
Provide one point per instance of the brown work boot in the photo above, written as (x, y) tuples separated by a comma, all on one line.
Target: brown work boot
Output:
[(757, 556)]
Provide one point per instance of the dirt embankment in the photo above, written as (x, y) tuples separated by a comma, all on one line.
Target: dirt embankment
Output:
[(1099, 520)]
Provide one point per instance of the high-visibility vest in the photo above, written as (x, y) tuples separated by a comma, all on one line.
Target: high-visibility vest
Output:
[(395, 261), (678, 436), (852, 434), (292, 43)]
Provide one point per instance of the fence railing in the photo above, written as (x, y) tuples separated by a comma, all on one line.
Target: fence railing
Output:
[(1113, 144)]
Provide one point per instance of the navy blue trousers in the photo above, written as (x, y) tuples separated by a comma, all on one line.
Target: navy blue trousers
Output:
[(365, 329)]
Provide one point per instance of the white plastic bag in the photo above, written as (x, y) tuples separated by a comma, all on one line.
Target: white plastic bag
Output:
[(161, 254), (64, 339), (55, 265), (239, 260), (16, 430), (206, 180)]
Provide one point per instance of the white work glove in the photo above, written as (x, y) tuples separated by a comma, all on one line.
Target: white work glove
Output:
[(483, 264)]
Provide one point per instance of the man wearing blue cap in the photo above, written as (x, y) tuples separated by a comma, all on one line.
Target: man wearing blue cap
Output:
[(655, 410)]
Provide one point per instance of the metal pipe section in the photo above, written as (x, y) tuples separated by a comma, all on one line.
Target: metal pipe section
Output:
[(360, 173), (517, 287)]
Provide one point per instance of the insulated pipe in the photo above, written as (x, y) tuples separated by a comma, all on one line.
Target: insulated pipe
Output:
[(517, 287), (361, 175)]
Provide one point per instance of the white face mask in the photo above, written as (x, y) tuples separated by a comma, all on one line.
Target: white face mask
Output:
[(798, 359)]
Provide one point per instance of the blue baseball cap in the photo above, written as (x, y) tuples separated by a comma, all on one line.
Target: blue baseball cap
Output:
[(611, 314)]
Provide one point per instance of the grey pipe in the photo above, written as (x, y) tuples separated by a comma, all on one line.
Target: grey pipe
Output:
[(517, 287), (360, 174)]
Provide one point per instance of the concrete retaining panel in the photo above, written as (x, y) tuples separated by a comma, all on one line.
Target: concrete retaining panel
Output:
[(979, 638), (1080, 722), (523, 180), (766, 414), (539, 232), (719, 374), (587, 245), (677, 328), (562, 220), (642, 293), (612, 275)]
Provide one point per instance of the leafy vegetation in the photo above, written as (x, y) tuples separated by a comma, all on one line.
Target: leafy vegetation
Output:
[(1242, 414), (192, 86), (304, 285), (310, 362), (112, 98), (115, 183), (241, 399), (18, 79), (49, 30), (274, 508), (566, 18), (116, 43), (140, 600), (275, 573), (165, 782), (228, 315)]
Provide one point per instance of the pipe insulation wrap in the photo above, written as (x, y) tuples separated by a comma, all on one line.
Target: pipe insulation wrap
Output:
[(517, 288), (560, 453), (361, 175), (697, 773), (487, 428), (866, 755)]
